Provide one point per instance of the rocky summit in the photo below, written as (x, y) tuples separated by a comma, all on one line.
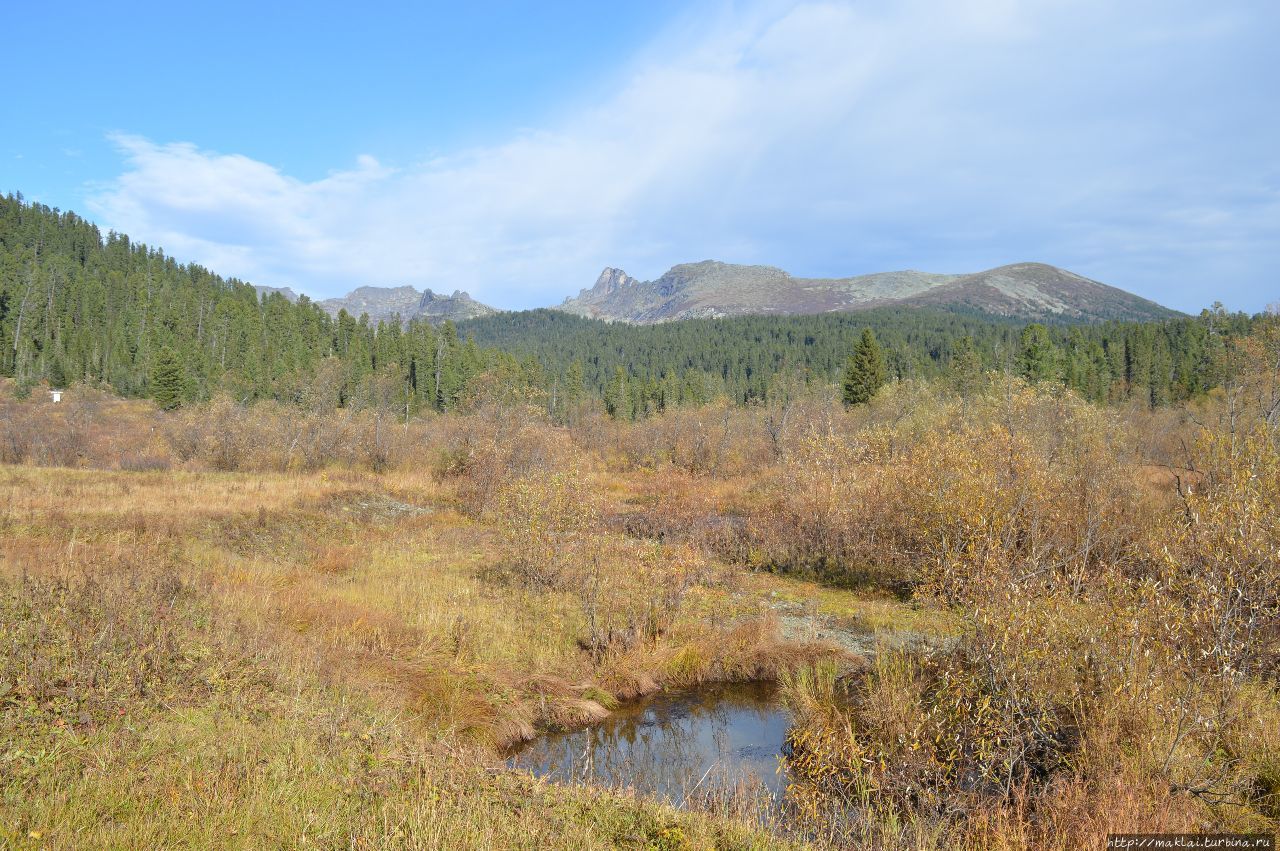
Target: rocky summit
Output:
[(382, 304), (1029, 291)]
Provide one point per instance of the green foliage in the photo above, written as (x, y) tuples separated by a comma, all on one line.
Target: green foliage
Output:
[(168, 383), (617, 399), (865, 372), (58, 373), (1039, 360), (966, 366), (78, 306), (743, 358)]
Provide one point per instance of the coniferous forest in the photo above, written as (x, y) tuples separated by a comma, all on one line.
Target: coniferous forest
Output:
[(743, 358), (80, 306)]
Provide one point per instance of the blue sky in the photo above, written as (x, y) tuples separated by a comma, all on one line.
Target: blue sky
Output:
[(515, 149)]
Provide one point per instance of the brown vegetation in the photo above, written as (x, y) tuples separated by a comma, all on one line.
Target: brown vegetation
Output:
[(209, 605), (1117, 666)]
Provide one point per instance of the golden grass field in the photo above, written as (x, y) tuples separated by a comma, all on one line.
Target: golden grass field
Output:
[(1001, 618), (266, 660)]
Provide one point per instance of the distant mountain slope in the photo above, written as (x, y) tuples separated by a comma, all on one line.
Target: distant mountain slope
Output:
[(1025, 291), (1036, 290), (288, 293), (384, 303)]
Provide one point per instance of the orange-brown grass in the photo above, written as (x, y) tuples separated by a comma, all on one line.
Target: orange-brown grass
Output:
[(135, 714), (283, 545), (179, 639), (1114, 667), (280, 628)]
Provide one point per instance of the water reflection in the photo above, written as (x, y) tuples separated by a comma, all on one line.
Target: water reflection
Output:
[(674, 745)]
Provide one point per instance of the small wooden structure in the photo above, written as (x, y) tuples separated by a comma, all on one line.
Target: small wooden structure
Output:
[(55, 395)]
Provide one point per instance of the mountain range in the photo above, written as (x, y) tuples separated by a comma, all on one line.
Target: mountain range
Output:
[(1023, 291), (1028, 291), (382, 304)]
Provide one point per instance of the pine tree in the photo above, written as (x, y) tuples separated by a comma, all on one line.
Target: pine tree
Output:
[(1039, 359), (1161, 372), (865, 372), (168, 384), (966, 366), (575, 391), (58, 374), (617, 398)]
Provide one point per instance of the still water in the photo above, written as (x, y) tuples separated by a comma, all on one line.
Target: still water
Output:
[(674, 745)]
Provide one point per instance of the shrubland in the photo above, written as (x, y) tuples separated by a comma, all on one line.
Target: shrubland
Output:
[(289, 625), (1116, 666)]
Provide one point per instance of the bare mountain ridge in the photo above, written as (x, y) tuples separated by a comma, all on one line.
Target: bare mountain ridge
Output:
[(264, 290), (711, 288), (382, 304)]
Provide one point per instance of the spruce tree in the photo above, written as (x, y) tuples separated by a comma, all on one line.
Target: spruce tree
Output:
[(575, 391), (617, 399), (58, 374), (1039, 359), (865, 372), (168, 384), (966, 366)]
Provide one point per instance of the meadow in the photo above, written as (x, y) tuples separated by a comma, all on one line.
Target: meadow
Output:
[(263, 626)]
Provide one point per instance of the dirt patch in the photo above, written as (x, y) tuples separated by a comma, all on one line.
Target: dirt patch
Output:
[(797, 624), (369, 507)]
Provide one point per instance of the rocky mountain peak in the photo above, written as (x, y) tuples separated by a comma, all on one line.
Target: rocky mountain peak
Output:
[(611, 280), (711, 288), (288, 293), (384, 303)]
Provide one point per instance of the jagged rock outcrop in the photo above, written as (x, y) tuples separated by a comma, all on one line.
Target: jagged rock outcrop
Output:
[(289, 294), (382, 304)]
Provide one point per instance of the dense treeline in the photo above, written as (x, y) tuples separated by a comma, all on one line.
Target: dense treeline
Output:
[(78, 307), (642, 368)]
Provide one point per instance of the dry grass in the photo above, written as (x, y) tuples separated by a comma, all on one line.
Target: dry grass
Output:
[(313, 630), (207, 659)]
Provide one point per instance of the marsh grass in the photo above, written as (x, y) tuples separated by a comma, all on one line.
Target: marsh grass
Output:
[(234, 660), (309, 631)]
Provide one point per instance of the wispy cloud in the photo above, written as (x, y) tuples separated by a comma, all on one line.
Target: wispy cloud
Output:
[(1120, 140)]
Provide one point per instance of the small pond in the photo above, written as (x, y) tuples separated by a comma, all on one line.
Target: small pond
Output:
[(673, 745)]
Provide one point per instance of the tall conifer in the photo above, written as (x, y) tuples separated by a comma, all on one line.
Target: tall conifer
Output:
[(865, 372), (168, 384)]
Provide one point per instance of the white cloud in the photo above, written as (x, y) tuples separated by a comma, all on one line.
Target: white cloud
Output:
[(825, 137)]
